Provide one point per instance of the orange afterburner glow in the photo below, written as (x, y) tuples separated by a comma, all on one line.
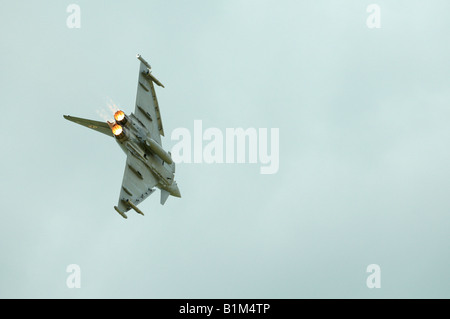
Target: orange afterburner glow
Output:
[(119, 116), (117, 130)]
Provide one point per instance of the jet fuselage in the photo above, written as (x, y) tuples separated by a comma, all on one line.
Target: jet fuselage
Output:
[(134, 139)]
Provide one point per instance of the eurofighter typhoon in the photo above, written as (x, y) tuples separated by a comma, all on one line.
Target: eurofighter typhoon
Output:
[(139, 136)]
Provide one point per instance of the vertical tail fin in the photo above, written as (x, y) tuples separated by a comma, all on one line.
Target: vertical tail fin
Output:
[(164, 195)]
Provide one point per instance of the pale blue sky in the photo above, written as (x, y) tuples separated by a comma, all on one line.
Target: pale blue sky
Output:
[(364, 149)]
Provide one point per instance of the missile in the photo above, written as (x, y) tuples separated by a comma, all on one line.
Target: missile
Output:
[(149, 74), (134, 207), (121, 213), (140, 58), (153, 146)]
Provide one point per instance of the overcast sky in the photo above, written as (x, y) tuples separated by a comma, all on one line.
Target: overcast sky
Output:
[(363, 118)]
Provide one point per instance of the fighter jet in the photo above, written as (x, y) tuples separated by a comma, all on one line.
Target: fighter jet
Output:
[(139, 136)]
